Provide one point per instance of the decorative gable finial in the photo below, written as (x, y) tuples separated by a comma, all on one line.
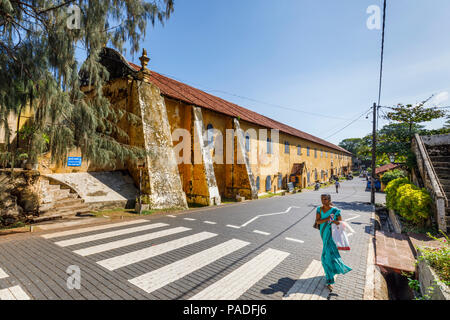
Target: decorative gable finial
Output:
[(144, 60)]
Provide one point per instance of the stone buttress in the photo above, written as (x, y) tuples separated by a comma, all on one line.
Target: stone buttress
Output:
[(161, 179)]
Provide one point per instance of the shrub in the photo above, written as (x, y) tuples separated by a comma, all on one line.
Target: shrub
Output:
[(413, 203), (391, 192), (439, 258), (392, 175)]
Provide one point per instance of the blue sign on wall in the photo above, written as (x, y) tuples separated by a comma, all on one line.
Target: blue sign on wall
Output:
[(74, 161)]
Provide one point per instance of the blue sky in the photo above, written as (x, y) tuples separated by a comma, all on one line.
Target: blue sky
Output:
[(311, 56)]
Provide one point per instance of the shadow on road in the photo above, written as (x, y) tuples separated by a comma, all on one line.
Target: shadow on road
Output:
[(313, 285), (354, 206), (283, 285)]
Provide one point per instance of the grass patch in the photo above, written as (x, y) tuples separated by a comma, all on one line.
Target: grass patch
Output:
[(228, 200), (18, 224), (196, 205), (268, 195), (408, 226)]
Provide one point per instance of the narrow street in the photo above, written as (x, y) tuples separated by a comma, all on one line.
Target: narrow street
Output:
[(257, 250)]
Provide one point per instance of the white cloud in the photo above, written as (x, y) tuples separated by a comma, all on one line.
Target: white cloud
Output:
[(440, 98)]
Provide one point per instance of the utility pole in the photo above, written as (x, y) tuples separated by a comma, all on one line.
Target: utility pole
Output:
[(374, 149)]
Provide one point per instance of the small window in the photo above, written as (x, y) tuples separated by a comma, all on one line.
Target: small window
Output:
[(247, 142), (286, 147), (257, 183), (299, 150), (269, 146), (315, 152), (321, 153), (280, 181), (268, 183), (326, 154), (307, 151), (210, 135)]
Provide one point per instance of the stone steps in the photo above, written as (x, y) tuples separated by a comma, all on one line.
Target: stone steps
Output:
[(441, 170), (59, 201), (441, 164), (61, 212), (440, 159)]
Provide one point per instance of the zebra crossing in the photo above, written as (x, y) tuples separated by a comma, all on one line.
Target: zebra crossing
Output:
[(228, 287), (12, 293)]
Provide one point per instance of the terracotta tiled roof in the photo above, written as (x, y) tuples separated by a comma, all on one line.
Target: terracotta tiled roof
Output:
[(386, 167), (180, 91)]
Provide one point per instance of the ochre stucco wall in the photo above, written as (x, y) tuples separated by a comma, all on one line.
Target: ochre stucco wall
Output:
[(232, 178)]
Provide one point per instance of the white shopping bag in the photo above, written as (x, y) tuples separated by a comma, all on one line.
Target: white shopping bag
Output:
[(340, 237)]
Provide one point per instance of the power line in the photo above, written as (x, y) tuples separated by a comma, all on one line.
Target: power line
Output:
[(257, 101), (365, 112), (247, 98)]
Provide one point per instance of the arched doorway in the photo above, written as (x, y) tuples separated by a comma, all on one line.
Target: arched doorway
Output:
[(268, 183)]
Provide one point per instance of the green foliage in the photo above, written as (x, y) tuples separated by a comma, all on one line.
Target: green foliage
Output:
[(391, 192), (392, 175), (39, 68), (413, 114), (351, 144), (413, 203), (439, 258), (394, 140)]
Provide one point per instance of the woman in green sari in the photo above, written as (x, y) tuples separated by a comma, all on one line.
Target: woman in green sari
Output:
[(331, 259)]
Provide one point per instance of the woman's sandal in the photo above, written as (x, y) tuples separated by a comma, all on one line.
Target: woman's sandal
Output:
[(330, 287)]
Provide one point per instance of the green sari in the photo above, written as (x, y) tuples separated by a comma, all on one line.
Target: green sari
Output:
[(331, 259)]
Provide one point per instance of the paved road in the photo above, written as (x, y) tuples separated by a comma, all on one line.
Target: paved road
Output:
[(264, 249)]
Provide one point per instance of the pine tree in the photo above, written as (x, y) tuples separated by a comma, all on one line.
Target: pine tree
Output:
[(38, 67)]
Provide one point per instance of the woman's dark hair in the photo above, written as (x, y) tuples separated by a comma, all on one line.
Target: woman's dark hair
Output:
[(328, 196)]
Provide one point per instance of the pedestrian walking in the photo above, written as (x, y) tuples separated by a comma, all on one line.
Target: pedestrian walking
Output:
[(338, 185), (331, 259)]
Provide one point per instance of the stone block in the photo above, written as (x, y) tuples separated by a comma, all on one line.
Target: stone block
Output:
[(429, 279)]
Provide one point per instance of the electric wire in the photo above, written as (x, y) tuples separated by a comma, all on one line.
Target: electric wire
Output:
[(353, 121)]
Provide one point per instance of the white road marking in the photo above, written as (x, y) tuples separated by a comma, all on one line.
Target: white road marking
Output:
[(235, 284), (156, 279), (3, 274), (13, 293), (110, 234), (311, 284), (354, 217), (347, 225), (18, 293), (268, 214), (295, 240), (232, 226), (169, 215), (189, 219), (128, 241), (146, 253), (261, 232), (210, 222), (89, 229)]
